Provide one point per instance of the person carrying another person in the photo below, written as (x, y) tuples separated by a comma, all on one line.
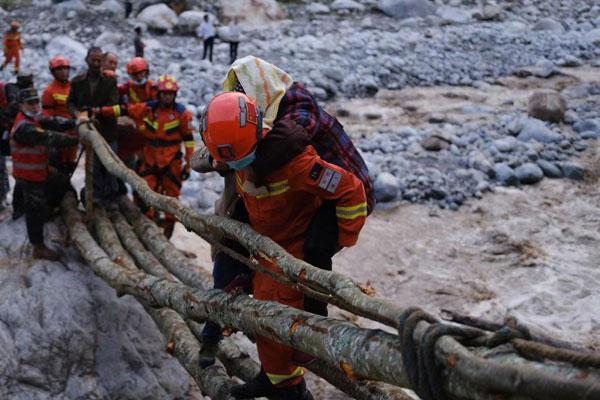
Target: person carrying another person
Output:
[(42, 186), (285, 104), (166, 125), (93, 89), (54, 103), (282, 193), (12, 46)]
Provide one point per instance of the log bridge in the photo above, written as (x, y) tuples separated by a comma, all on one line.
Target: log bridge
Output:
[(457, 357)]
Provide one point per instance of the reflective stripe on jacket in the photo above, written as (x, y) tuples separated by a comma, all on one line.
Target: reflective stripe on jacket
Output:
[(30, 162)]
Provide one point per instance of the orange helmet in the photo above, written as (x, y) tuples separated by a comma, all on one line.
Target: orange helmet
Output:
[(166, 83), (58, 62), (15, 24), (137, 64), (231, 128)]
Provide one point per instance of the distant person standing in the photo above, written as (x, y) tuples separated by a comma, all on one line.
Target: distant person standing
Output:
[(207, 32), (235, 35), (12, 46), (138, 43), (128, 8)]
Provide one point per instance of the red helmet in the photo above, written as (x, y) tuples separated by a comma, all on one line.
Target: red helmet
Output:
[(137, 64), (166, 83), (58, 62), (231, 127)]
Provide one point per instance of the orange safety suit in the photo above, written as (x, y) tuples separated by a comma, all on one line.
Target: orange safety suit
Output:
[(12, 48), (54, 103), (282, 209), (130, 145), (165, 129)]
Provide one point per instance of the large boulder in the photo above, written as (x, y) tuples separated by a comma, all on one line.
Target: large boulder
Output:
[(505, 175), (489, 12), (71, 5), (317, 8), (534, 129), (402, 9), (548, 24), (70, 48), (159, 17), (547, 106), (593, 36), (190, 20), (253, 12), (386, 187), (110, 39), (454, 16), (113, 6), (529, 173)]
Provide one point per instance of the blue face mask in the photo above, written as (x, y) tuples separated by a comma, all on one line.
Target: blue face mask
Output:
[(243, 162)]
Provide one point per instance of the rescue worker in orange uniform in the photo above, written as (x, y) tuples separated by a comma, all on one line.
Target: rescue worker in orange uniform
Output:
[(12, 46), (166, 125), (42, 187), (54, 104), (281, 202), (138, 89)]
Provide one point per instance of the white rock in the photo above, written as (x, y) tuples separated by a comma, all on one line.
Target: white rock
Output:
[(593, 36), (70, 48), (114, 6), (548, 24), (189, 20), (110, 38), (348, 5), (252, 12), (452, 15), (317, 8), (159, 16)]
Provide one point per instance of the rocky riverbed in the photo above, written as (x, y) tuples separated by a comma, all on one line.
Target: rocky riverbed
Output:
[(439, 98)]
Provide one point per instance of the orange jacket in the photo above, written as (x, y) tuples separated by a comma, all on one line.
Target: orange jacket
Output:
[(164, 128), (138, 93), (54, 99), (283, 208), (12, 41)]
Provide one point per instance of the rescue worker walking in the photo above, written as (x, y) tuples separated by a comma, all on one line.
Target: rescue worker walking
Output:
[(295, 120), (42, 187), (281, 198), (166, 125), (12, 46), (54, 104)]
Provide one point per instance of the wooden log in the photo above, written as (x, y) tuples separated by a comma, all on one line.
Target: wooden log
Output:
[(170, 257), (144, 259), (109, 239)]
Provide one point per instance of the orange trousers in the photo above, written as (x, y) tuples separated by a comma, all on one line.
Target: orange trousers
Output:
[(165, 181), (276, 358), (11, 55)]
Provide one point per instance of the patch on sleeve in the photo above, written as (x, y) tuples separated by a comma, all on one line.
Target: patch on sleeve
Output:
[(330, 180), (315, 171)]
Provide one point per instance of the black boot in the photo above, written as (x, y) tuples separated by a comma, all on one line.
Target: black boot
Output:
[(261, 386)]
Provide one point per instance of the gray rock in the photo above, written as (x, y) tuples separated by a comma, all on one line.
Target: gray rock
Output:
[(548, 24), (70, 5), (570, 61), (534, 129), (188, 21), (507, 144), (347, 5), (547, 106), (159, 16), (542, 70), (386, 187), (579, 146), (435, 143), (64, 45), (529, 173), (505, 175), (317, 8), (586, 125), (490, 12), (402, 9), (551, 170), (593, 36), (573, 170), (454, 16), (589, 135)]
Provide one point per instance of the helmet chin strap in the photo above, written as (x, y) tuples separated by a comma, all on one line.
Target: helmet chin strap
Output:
[(31, 114)]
